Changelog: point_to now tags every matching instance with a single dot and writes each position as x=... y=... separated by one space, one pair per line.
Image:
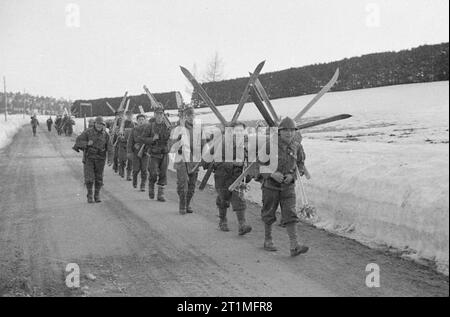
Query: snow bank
x=9 y=128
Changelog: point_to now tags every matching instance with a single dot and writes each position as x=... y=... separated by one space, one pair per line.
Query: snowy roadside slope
x=9 y=128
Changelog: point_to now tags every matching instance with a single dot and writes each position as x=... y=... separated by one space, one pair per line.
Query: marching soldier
x=156 y=137
x=186 y=178
x=129 y=125
x=114 y=135
x=97 y=148
x=34 y=124
x=278 y=188
x=49 y=124
x=138 y=152
x=58 y=124
x=225 y=173
x=69 y=126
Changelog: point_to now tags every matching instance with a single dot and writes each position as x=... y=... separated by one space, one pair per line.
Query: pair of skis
x=259 y=96
x=213 y=107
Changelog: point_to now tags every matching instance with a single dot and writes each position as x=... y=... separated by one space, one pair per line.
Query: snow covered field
x=9 y=128
x=382 y=176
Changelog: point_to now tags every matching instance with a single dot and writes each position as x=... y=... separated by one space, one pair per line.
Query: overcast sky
x=122 y=44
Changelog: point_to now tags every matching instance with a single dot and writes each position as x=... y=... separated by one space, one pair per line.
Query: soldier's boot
x=135 y=179
x=296 y=249
x=151 y=190
x=143 y=180
x=121 y=170
x=189 y=209
x=97 y=193
x=161 y=193
x=89 y=187
x=268 y=242
x=128 y=175
x=223 y=224
x=244 y=228
x=182 y=204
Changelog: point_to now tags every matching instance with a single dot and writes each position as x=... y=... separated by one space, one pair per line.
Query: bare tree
x=214 y=69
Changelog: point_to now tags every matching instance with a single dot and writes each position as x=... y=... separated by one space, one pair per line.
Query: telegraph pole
x=6 y=99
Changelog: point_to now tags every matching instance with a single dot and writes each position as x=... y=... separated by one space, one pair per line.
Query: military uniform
x=58 y=125
x=186 y=181
x=225 y=173
x=290 y=158
x=69 y=126
x=95 y=155
x=49 y=124
x=120 y=160
x=34 y=124
x=159 y=157
x=140 y=164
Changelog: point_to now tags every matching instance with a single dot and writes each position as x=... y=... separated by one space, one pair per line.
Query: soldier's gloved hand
x=137 y=147
x=278 y=177
x=90 y=142
x=110 y=162
x=155 y=137
x=289 y=179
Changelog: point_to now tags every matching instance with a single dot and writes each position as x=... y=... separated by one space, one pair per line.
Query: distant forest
x=422 y=64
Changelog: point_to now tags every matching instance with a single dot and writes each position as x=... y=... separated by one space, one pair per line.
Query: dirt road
x=137 y=247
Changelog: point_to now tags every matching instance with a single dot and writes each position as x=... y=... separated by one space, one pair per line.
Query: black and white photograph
x=224 y=154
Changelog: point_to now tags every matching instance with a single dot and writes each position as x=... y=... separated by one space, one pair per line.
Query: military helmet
x=238 y=124
x=287 y=124
x=159 y=110
x=100 y=120
x=188 y=110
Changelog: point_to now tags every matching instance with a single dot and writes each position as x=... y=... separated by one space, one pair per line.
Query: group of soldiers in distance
x=63 y=124
x=141 y=150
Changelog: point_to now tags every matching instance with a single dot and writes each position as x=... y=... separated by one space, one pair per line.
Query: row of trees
x=422 y=64
x=26 y=103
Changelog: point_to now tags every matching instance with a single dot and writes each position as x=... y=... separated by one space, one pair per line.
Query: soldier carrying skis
x=225 y=173
x=121 y=140
x=186 y=177
x=95 y=143
x=138 y=152
x=278 y=188
x=156 y=136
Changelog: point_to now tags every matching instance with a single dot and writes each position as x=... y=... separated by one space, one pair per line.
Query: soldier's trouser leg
x=153 y=166
x=192 y=181
x=239 y=206
x=162 y=176
x=271 y=200
x=136 y=169
x=116 y=160
x=122 y=165
x=222 y=203
x=289 y=219
x=182 y=184
x=99 y=169
x=34 y=131
x=89 y=178
x=129 y=169
x=162 y=170
x=143 y=168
